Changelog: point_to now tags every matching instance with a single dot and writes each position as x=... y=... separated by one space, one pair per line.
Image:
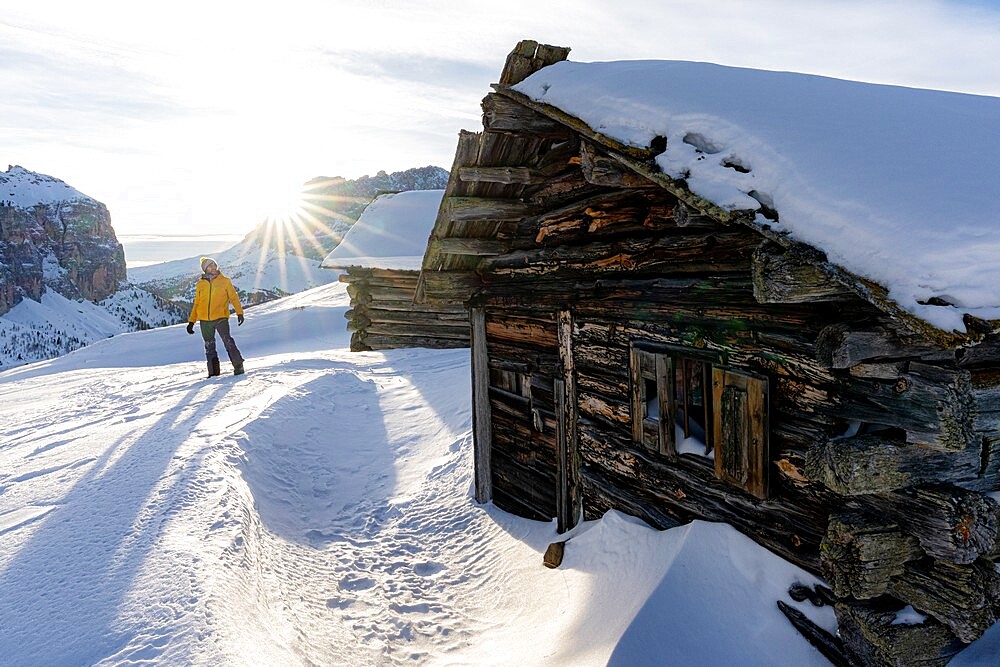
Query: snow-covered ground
x=318 y=511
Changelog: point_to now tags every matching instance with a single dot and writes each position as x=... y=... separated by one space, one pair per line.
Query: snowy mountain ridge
x=25 y=189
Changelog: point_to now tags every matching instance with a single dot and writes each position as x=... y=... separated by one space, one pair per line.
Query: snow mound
x=895 y=184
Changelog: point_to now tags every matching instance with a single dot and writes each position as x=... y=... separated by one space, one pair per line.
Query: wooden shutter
x=740 y=429
x=657 y=370
x=665 y=397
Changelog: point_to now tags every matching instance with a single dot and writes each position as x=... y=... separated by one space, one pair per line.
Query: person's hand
x=190 y=328
x=239 y=320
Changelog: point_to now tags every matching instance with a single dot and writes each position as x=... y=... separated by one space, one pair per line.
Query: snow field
x=318 y=510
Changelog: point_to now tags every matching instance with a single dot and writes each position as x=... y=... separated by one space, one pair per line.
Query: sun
x=277 y=201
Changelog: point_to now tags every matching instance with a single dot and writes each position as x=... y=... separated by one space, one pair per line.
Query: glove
x=190 y=328
x=239 y=320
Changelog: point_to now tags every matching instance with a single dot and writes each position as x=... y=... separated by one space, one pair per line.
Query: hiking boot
x=213 y=368
x=238 y=370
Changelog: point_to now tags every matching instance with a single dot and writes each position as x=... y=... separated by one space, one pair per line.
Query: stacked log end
x=383 y=314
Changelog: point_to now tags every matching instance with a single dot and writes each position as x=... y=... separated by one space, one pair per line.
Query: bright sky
x=202 y=117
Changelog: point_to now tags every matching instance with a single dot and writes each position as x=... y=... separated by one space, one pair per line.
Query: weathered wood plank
x=505 y=175
x=961 y=597
x=601 y=170
x=481 y=423
x=382 y=342
x=869 y=633
x=779 y=276
x=502 y=114
x=468 y=246
x=862 y=552
x=672 y=254
x=462 y=209
x=521 y=330
x=448 y=286
x=568 y=417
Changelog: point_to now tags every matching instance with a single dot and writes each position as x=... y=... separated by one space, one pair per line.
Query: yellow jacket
x=212 y=299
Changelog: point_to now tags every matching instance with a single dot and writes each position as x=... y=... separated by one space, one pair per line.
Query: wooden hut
x=638 y=347
x=381 y=256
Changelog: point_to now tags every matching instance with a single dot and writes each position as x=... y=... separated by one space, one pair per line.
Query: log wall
x=383 y=314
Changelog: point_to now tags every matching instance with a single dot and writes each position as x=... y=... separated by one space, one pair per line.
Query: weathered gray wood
x=664 y=375
x=741 y=430
x=951 y=523
x=780 y=276
x=858 y=465
x=478 y=209
x=425 y=330
x=568 y=417
x=481 y=420
x=506 y=175
x=862 y=552
x=673 y=254
x=601 y=170
x=385 y=342
x=502 y=114
x=868 y=464
x=528 y=57
x=466 y=154
x=448 y=286
x=962 y=597
x=869 y=636
x=840 y=346
x=467 y=246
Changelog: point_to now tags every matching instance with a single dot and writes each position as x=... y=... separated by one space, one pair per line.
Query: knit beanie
x=205 y=261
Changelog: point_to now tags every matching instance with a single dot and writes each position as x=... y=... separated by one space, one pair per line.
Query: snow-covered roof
x=390 y=234
x=896 y=185
x=25 y=188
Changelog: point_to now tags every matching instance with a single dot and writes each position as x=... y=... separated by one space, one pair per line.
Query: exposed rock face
x=51 y=235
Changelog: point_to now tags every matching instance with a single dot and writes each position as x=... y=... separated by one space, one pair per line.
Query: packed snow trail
x=318 y=511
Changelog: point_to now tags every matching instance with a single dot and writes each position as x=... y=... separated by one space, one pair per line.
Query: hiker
x=212 y=297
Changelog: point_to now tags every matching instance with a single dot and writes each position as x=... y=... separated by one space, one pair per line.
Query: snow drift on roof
x=897 y=185
x=391 y=233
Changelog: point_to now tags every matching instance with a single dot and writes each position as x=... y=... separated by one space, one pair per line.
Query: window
x=682 y=404
x=652 y=400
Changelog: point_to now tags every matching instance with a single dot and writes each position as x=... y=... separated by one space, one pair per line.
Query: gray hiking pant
x=208 y=331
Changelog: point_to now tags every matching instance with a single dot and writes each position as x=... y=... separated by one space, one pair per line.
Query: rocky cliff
x=62 y=272
x=53 y=236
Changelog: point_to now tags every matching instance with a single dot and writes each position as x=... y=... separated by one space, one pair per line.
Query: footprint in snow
x=353 y=583
x=428 y=569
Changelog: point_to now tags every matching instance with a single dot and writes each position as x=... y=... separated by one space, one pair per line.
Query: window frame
x=659 y=364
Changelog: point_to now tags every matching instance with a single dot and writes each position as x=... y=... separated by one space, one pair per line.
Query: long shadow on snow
x=62 y=592
x=318 y=462
x=442 y=377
